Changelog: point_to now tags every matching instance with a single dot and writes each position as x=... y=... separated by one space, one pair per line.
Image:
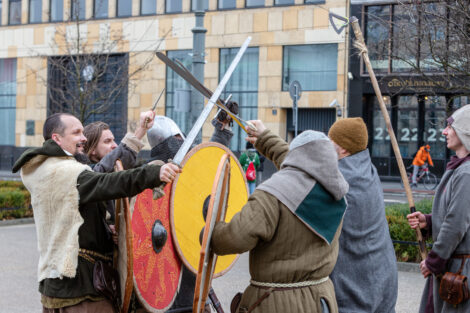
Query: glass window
x=283 y=2
x=314 y=1
x=35 y=11
x=7 y=101
x=0 y=12
x=227 y=4
x=205 y=5
x=15 y=12
x=314 y=66
x=377 y=37
x=78 y=9
x=254 y=3
x=405 y=35
x=178 y=91
x=407 y=125
x=435 y=119
x=102 y=95
x=243 y=85
x=101 y=9
x=458 y=102
x=433 y=36
x=174 y=6
x=148 y=7
x=124 y=8
x=57 y=10
x=381 y=140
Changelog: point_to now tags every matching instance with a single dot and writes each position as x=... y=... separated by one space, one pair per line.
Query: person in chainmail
x=165 y=138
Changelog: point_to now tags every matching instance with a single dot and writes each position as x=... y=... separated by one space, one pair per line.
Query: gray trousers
x=415 y=173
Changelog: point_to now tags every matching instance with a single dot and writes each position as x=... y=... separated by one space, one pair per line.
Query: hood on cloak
x=310 y=184
x=49 y=149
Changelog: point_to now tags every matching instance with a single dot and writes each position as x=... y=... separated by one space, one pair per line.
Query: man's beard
x=82 y=158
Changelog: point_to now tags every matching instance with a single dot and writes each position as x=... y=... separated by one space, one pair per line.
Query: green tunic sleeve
x=94 y=187
x=272 y=147
x=257 y=221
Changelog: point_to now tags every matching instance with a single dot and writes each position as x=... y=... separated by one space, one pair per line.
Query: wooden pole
x=365 y=56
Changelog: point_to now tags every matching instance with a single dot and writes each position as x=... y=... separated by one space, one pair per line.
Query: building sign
x=394 y=84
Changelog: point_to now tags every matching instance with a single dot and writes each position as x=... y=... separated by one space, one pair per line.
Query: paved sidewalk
x=18 y=285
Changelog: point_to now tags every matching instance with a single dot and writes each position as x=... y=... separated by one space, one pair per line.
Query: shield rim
x=208 y=259
x=172 y=205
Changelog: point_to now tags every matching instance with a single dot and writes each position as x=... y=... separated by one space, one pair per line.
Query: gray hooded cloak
x=365 y=275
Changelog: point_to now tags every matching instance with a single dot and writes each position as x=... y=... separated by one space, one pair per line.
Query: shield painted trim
x=157 y=276
x=215 y=212
x=190 y=190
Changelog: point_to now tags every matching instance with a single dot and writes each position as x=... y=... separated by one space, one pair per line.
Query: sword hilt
x=158 y=192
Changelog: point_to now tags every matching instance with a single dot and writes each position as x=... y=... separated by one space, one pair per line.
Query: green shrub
x=12 y=184
x=400 y=230
x=17 y=213
x=15 y=200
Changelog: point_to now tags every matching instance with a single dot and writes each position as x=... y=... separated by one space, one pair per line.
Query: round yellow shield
x=191 y=189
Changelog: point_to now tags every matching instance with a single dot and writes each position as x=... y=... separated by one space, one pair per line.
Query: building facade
x=41 y=41
x=418 y=100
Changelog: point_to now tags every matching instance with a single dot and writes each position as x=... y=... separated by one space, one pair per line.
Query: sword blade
x=210 y=104
x=156 y=102
x=182 y=71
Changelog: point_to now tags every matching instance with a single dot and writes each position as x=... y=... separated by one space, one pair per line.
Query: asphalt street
x=18 y=285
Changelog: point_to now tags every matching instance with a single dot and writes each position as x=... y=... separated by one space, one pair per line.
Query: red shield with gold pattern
x=157 y=267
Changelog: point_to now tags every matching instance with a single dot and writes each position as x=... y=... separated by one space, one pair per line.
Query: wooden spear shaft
x=393 y=139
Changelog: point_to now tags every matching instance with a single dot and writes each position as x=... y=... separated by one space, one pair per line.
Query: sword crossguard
x=158 y=192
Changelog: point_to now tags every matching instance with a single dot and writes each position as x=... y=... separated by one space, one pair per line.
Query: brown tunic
x=282 y=249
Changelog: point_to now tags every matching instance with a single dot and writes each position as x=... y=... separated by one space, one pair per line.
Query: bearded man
x=290 y=225
x=66 y=197
x=365 y=276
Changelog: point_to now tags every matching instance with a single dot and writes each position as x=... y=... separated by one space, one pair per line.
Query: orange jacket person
x=422 y=157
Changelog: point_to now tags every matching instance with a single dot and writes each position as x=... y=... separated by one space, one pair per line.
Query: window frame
x=238 y=133
x=283 y=5
x=392 y=70
x=193 y=1
x=254 y=6
x=94 y=10
x=29 y=12
x=303 y=87
x=147 y=14
x=9 y=12
x=4 y=103
x=314 y=1
x=225 y=9
x=173 y=12
x=72 y=11
x=50 y=12
x=117 y=10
